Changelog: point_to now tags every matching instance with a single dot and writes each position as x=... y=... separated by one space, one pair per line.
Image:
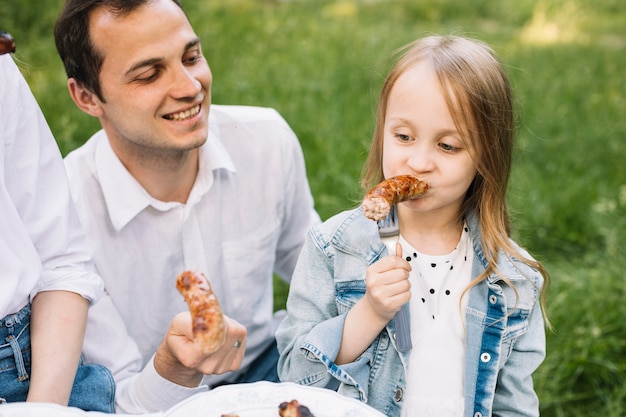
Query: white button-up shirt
x=42 y=245
x=245 y=219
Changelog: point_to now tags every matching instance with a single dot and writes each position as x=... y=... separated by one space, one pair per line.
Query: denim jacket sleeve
x=309 y=337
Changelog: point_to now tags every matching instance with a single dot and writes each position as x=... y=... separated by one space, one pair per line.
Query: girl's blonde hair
x=479 y=96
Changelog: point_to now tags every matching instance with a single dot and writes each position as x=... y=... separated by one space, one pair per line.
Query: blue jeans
x=263 y=368
x=93 y=389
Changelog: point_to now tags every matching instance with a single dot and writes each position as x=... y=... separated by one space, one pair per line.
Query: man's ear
x=86 y=100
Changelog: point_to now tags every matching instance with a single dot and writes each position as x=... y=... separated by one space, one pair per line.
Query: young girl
x=477 y=329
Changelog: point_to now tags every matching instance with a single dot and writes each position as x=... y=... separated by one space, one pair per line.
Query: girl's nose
x=421 y=160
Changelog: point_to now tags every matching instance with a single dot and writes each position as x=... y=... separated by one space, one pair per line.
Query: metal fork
x=389 y=232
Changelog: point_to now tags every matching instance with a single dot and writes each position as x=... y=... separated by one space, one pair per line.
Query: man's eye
x=148 y=76
x=192 y=58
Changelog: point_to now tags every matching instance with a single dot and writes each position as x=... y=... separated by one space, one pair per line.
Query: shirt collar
x=213 y=156
x=123 y=195
x=126 y=198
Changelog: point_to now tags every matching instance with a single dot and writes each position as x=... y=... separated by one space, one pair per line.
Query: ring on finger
x=237 y=344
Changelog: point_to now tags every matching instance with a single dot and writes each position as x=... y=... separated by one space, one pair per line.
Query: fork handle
x=403 y=330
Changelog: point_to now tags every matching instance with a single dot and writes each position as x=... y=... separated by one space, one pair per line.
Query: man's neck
x=166 y=176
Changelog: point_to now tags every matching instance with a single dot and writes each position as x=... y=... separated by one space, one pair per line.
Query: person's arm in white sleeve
x=57 y=253
x=299 y=209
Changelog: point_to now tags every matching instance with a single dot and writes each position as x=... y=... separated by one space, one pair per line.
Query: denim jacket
x=505 y=335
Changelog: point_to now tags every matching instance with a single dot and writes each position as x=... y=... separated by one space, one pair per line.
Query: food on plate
x=379 y=200
x=287 y=409
x=208 y=325
x=293 y=409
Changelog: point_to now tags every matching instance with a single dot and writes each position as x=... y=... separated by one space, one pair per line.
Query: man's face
x=155 y=81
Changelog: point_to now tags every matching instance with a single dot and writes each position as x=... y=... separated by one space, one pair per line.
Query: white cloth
x=245 y=219
x=437 y=361
x=43 y=246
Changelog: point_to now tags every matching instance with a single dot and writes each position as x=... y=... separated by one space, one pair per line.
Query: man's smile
x=184 y=114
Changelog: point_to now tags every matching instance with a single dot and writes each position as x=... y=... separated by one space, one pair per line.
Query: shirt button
x=485 y=357
x=493 y=299
x=398 y=395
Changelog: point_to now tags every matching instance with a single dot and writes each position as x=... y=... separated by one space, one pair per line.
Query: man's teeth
x=184 y=115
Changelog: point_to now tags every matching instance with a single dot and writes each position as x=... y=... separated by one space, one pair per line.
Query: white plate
x=24 y=409
x=261 y=399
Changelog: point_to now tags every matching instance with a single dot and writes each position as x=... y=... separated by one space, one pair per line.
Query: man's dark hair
x=82 y=61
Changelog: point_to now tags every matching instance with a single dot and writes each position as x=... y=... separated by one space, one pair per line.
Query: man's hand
x=180 y=360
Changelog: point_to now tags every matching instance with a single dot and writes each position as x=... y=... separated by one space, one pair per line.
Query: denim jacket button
x=485 y=357
x=478 y=414
x=493 y=299
x=398 y=395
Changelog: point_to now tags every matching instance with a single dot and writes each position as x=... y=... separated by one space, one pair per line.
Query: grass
x=321 y=63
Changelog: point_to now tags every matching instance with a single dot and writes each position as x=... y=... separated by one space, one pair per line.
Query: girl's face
x=420 y=138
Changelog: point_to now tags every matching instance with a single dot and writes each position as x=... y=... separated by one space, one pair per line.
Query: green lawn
x=321 y=63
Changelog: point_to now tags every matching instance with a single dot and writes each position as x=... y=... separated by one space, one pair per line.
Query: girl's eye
x=448 y=148
x=403 y=138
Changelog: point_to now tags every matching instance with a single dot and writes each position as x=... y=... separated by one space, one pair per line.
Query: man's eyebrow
x=192 y=43
x=152 y=61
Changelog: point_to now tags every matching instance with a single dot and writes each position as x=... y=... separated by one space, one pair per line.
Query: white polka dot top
x=436 y=363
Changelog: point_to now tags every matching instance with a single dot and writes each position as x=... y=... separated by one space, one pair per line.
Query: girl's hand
x=387 y=289
x=387 y=285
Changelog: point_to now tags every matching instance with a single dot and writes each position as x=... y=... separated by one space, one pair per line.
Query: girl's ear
x=84 y=99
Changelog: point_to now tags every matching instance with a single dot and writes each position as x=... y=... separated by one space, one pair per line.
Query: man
x=164 y=187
